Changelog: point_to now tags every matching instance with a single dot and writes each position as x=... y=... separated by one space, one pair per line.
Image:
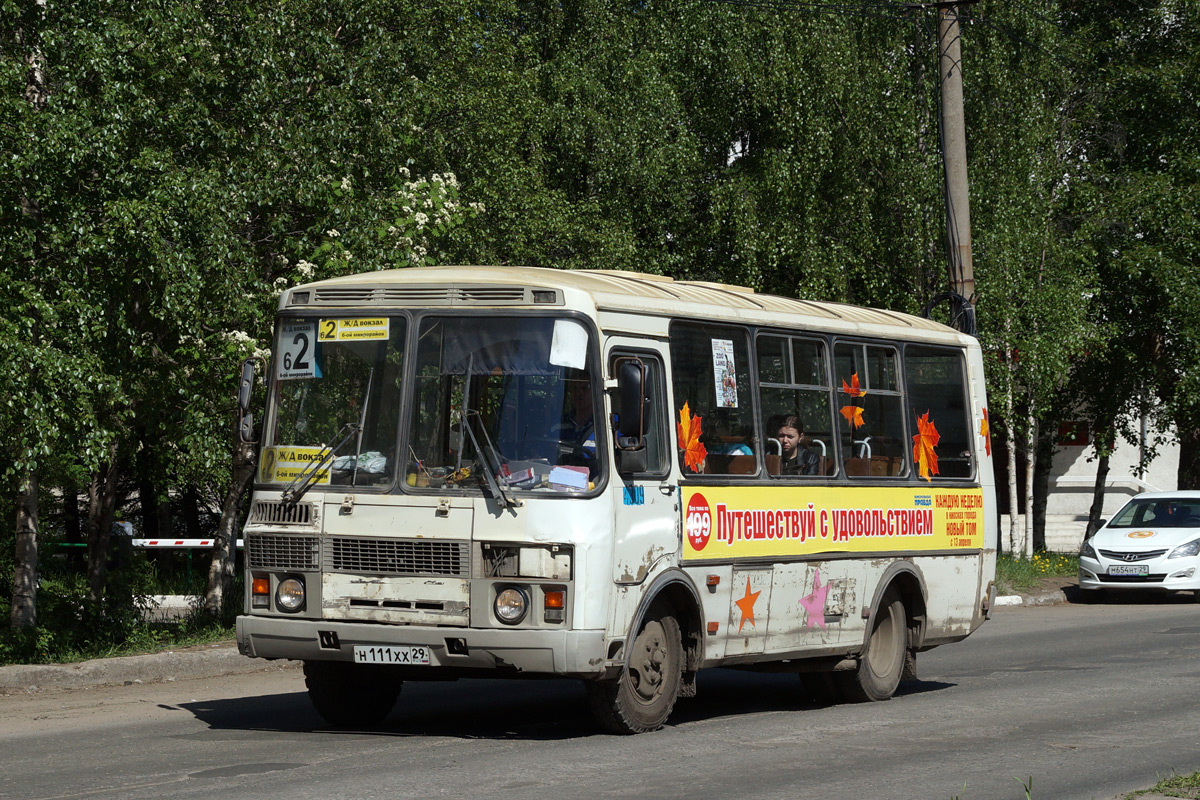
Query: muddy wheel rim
x=648 y=662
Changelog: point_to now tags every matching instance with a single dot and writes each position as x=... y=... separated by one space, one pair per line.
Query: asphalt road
x=1088 y=701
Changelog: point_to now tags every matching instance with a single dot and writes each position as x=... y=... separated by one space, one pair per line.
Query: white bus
x=611 y=476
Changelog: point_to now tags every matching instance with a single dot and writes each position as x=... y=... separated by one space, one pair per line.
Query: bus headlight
x=511 y=605
x=289 y=594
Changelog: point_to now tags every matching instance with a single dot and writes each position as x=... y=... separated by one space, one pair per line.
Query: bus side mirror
x=245 y=425
x=631 y=403
x=631 y=415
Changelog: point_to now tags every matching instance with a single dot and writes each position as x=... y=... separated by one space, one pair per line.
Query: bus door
x=646 y=529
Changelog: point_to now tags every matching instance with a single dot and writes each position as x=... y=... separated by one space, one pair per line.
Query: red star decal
x=746 y=604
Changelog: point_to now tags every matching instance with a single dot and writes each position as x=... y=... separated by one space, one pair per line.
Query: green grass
x=1176 y=786
x=1017 y=574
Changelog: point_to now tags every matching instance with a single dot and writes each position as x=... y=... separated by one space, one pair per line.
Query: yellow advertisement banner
x=778 y=521
x=352 y=329
x=285 y=464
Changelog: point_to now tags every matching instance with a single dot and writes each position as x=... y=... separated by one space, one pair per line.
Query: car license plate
x=377 y=654
x=1129 y=569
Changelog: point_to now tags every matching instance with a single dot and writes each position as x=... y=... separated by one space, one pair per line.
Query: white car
x=1153 y=543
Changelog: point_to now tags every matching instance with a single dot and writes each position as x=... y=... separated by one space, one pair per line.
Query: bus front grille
x=276 y=512
x=400 y=557
x=282 y=552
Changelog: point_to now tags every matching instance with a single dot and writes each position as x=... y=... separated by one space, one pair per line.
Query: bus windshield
x=505 y=402
x=337 y=382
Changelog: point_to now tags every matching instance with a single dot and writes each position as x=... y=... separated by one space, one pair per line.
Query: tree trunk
x=148 y=495
x=1030 y=470
x=189 y=509
x=1189 y=459
x=1041 y=488
x=1097 y=508
x=23 y=613
x=224 y=557
x=1009 y=431
x=102 y=491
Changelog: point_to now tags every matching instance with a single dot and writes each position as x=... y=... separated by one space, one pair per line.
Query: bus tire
x=642 y=698
x=349 y=695
x=881 y=662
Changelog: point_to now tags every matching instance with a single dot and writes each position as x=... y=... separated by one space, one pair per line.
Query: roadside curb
x=204 y=662
x=1043 y=599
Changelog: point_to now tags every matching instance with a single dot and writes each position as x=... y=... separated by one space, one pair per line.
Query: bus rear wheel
x=348 y=695
x=881 y=663
x=643 y=697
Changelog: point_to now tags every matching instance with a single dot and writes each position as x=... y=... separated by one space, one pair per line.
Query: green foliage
x=170 y=167
x=71 y=629
x=1175 y=786
x=1017 y=573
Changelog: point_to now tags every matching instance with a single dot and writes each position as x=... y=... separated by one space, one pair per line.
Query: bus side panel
x=817 y=604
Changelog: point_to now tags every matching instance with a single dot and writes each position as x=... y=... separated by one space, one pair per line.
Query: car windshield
x=1161 y=512
x=504 y=404
x=337 y=389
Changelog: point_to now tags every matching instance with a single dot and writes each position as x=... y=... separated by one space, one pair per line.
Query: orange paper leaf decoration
x=853 y=415
x=694 y=451
x=986 y=432
x=924 y=447
x=853 y=389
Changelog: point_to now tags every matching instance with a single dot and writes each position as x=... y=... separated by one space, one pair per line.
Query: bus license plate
x=377 y=654
x=1129 y=569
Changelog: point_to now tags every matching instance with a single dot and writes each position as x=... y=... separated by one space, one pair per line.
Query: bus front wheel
x=881 y=663
x=642 y=698
x=348 y=695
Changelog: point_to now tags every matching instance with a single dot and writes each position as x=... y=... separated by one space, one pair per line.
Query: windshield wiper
x=362 y=426
x=491 y=460
x=308 y=476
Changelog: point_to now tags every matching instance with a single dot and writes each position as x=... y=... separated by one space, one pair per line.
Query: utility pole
x=954 y=154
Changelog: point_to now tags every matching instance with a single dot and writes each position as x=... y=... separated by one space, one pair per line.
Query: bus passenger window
x=711 y=369
x=871 y=423
x=795 y=397
x=937 y=393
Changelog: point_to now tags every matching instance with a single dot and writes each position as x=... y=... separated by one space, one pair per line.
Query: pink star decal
x=814 y=603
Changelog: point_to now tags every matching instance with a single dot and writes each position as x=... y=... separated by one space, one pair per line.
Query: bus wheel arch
x=661 y=656
x=895 y=631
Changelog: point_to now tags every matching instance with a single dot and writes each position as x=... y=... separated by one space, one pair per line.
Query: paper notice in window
x=724 y=373
x=568 y=348
x=570 y=477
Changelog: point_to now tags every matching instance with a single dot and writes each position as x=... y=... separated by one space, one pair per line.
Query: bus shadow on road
x=730 y=692
x=468 y=709
x=534 y=710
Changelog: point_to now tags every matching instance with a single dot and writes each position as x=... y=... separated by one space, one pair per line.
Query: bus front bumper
x=564 y=653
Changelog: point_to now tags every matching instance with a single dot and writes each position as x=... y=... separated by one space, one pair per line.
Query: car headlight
x=511 y=605
x=1189 y=549
x=1087 y=551
x=289 y=595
